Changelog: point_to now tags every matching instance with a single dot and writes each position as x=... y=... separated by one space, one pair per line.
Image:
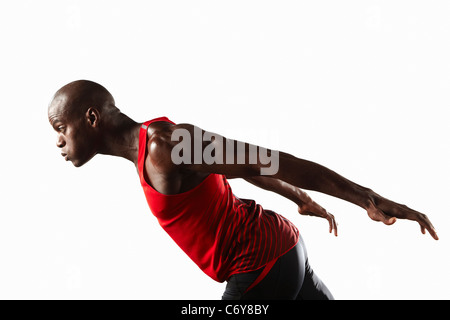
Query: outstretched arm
x=306 y=206
x=186 y=147
x=312 y=176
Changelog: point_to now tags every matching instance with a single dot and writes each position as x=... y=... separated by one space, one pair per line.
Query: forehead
x=57 y=108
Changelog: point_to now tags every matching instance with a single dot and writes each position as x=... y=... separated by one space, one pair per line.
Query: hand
x=387 y=211
x=310 y=208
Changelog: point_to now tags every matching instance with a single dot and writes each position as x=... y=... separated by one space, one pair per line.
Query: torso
x=221 y=233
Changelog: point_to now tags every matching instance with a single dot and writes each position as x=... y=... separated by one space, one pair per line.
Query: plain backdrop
x=361 y=87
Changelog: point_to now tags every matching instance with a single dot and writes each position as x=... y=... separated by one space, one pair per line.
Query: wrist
x=301 y=198
x=367 y=198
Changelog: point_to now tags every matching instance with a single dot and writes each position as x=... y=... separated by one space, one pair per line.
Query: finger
x=430 y=230
x=390 y=221
x=426 y=225
x=335 y=229
x=387 y=220
x=434 y=235
x=378 y=215
x=332 y=223
x=305 y=211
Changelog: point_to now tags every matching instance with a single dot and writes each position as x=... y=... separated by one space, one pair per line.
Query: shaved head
x=87 y=122
x=75 y=98
x=79 y=113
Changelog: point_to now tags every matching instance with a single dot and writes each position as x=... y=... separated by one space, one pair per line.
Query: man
x=184 y=170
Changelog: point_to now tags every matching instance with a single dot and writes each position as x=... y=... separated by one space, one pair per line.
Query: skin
x=87 y=123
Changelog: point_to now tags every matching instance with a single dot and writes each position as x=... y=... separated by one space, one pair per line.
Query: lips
x=65 y=156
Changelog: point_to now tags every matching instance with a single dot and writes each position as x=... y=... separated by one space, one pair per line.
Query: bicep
x=196 y=149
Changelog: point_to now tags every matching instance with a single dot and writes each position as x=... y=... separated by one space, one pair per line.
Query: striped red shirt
x=221 y=233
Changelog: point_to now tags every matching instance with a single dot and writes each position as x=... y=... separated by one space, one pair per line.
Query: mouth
x=66 y=157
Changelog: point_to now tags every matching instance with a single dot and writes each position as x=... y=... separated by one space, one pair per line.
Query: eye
x=61 y=129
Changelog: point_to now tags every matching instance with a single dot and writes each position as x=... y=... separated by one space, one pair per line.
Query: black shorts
x=290 y=278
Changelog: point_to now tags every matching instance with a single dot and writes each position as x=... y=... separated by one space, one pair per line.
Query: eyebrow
x=54 y=121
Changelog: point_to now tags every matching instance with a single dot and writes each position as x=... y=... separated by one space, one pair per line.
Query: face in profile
x=75 y=137
x=74 y=114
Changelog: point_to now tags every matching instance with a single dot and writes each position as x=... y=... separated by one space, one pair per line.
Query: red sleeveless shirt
x=221 y=233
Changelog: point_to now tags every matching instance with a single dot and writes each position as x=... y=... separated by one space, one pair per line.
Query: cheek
x=79 y=146
x=74 y=145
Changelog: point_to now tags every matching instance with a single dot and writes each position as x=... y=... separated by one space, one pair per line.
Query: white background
x=361 y=87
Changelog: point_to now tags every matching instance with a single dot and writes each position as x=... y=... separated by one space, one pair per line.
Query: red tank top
x=221 y=233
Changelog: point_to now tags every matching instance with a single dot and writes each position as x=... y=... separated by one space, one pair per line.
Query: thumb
x=378 y=215
x=390 y=220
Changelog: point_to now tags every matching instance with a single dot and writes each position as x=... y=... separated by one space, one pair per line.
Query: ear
x=92 y=116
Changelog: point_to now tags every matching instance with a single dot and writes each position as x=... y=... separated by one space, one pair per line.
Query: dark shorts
x=290 y=278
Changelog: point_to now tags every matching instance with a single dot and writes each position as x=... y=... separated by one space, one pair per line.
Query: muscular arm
x=282 y=188
x=312 y=176
x=187 y=147
x=306 y=206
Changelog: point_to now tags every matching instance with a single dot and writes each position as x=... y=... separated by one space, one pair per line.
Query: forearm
x=312 y=176
x=280 y=187
x=306 y=206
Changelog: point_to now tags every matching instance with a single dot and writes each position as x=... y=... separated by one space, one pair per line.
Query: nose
x=60 y=142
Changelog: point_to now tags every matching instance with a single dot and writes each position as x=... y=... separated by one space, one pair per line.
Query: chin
x=76 y=163
x=79 y=163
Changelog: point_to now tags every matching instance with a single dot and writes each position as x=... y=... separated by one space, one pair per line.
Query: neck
x=121 y=138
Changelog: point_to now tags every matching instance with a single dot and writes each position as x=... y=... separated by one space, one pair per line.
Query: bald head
x=79 y=112
x=75 y=98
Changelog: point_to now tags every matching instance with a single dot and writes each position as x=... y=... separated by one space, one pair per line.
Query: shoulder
x=164 y=135
x=162 y=138
x=159 y=144
x=164 y=173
